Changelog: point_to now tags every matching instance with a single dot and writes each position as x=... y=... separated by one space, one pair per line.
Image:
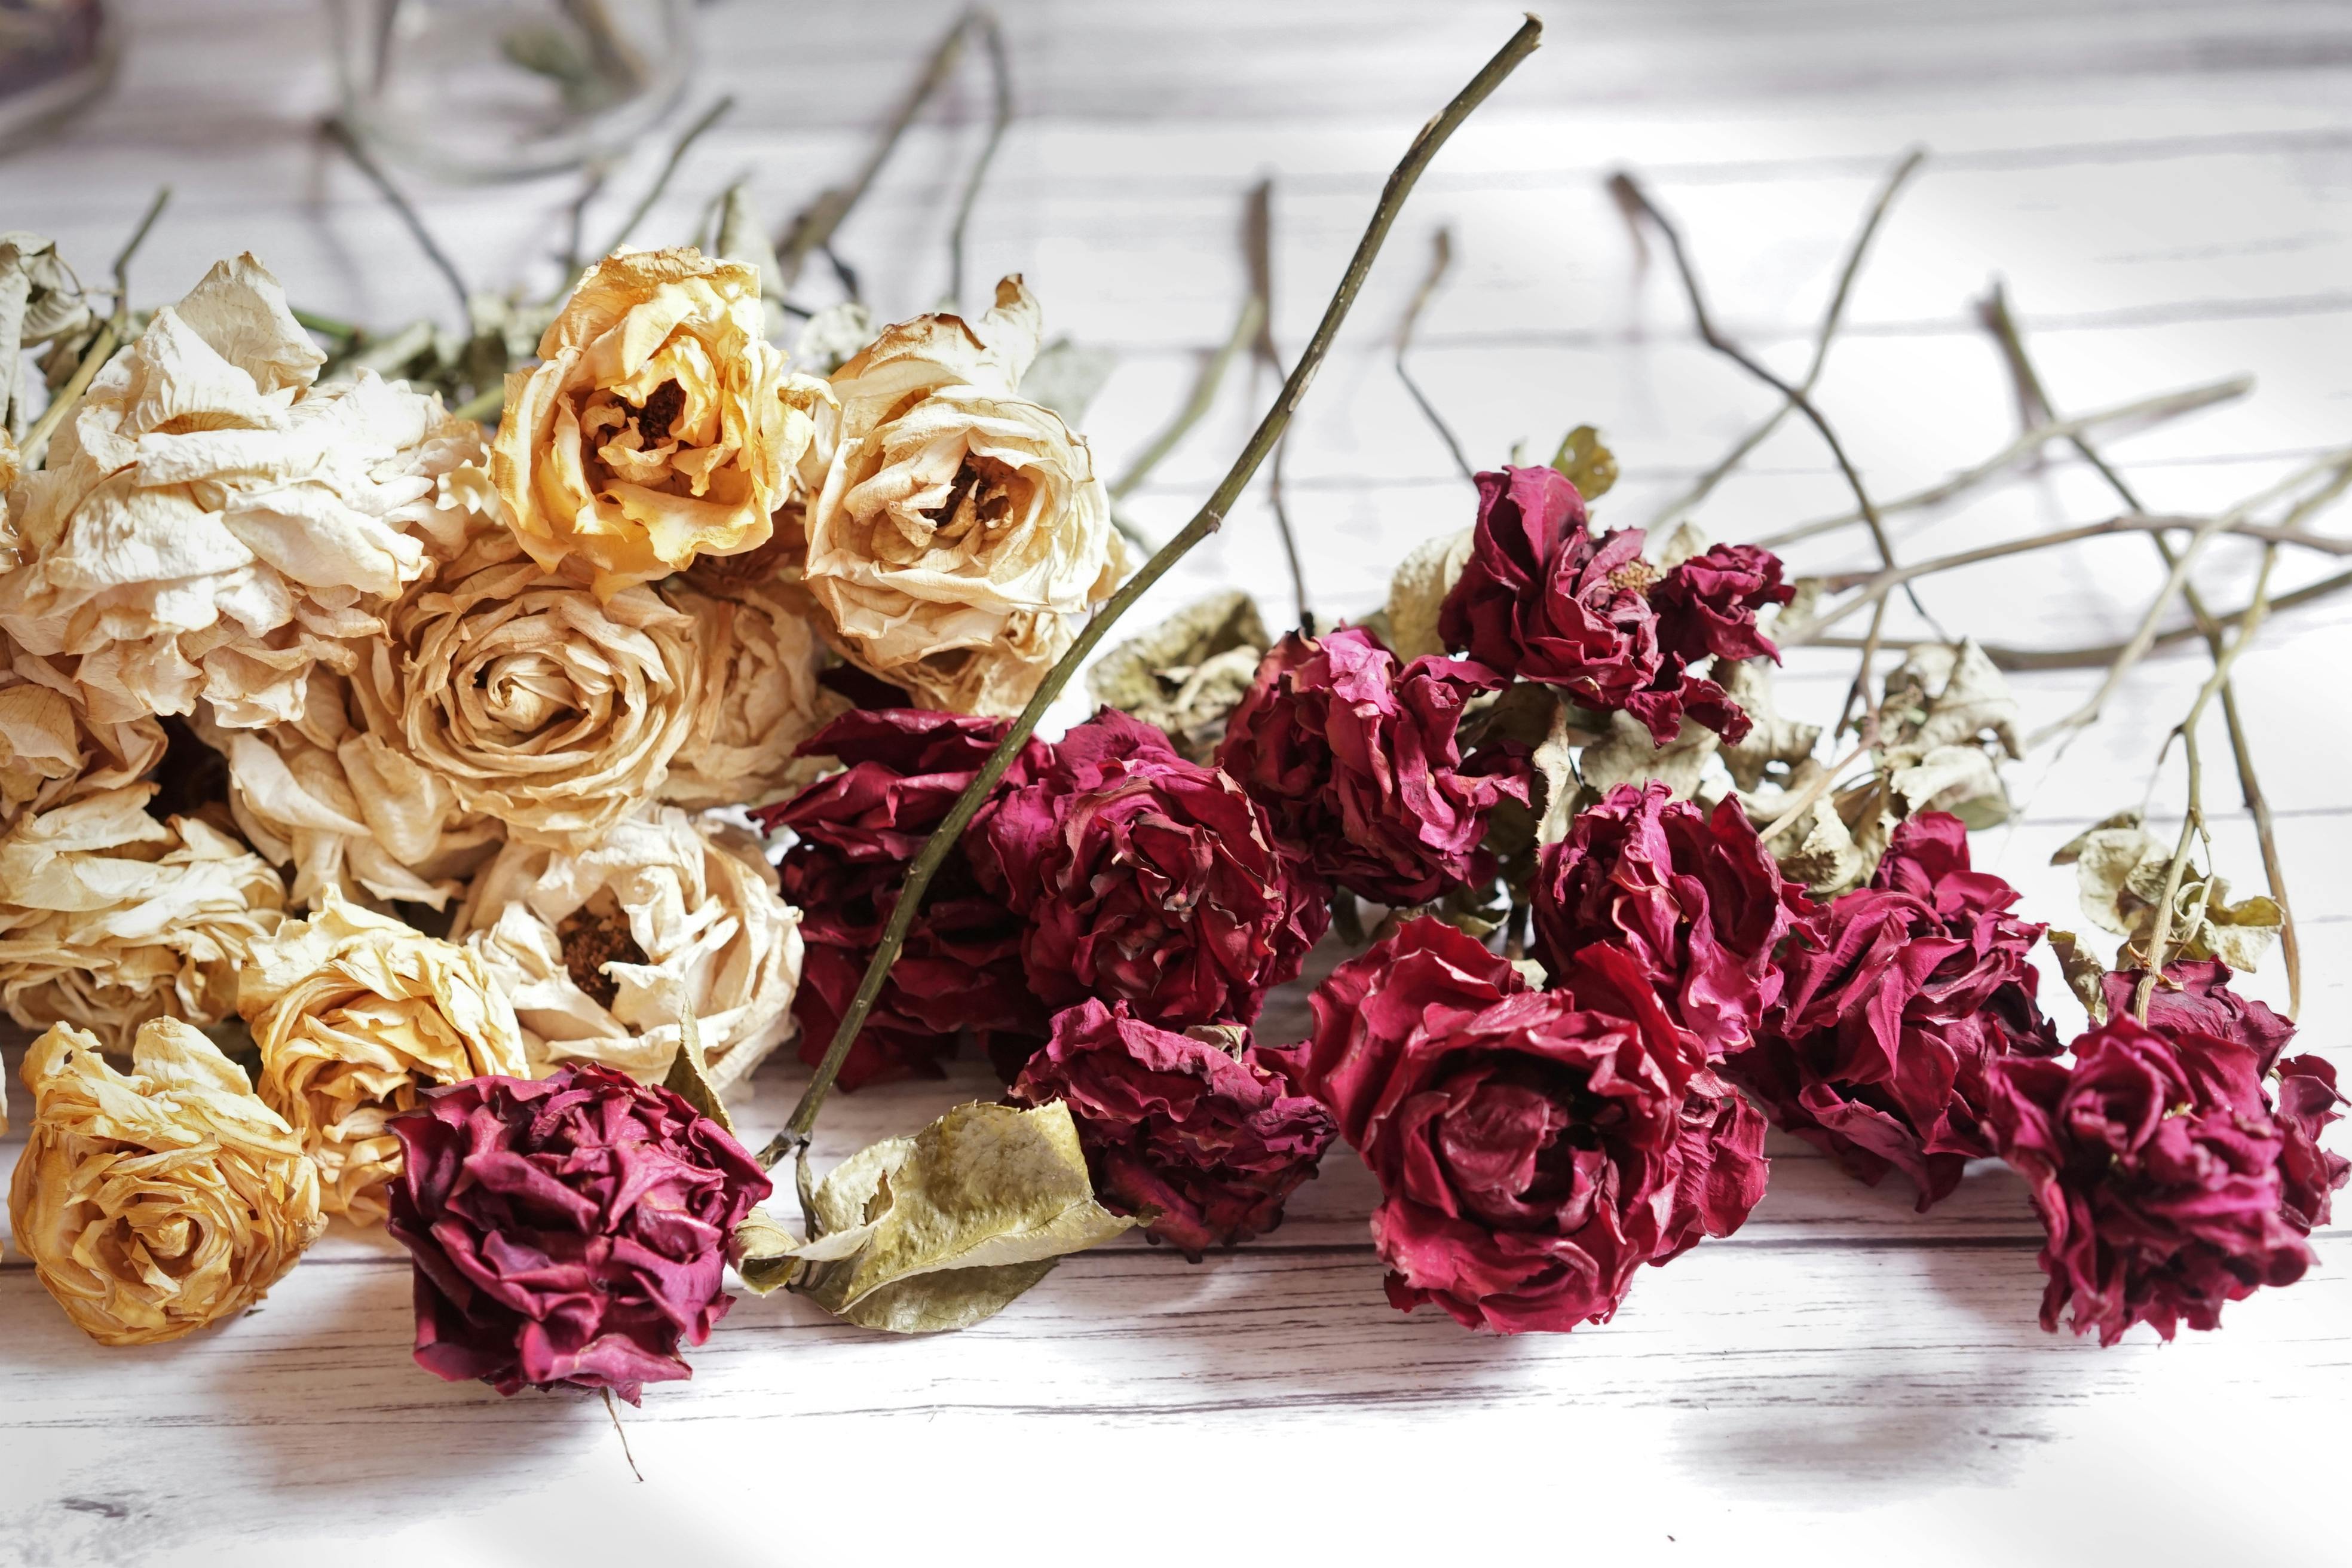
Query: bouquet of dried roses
x=443 y=824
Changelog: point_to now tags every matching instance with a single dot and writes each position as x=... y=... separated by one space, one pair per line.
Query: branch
x=984 y=22
x=1441 y=259
x=710 y=117
x=344 y=136
x=794 y=1138
x=1257 y=253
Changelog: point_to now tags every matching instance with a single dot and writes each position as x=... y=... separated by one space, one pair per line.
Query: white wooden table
x=2168 y=189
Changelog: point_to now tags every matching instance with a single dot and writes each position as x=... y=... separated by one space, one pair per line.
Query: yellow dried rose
x=604 y=952
x=354 y=1013
x=660 y=425
x=110 y=918
x=210 y=523
x=156 y=1201
x=50 y=751
x=536 y=703
x=760 y=662
x=952 y=527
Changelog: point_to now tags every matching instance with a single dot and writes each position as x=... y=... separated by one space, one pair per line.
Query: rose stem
x=2192 y=821
x=794 y=1138
x=116 y=328
x=619 y=1431
x=679 y=149
x=1196 y=407
x=983 y=21
x=345 y=137
x=1440 y=257
x=2152 y=410
x=812 y=229
x=131 y=248
x=1258 y=254
x=1830 y=321
x=2033 y=400
x=575 y=235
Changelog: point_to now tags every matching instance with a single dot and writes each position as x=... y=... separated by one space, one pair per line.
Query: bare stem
x=991 y=36
x=349 y=140
x=1440 y=257
x=794 y=1138
x=1197 y=404
x=684 y=143
x=1812 y=793
x=131 y=248
x=36 y=444
x=1830 y=321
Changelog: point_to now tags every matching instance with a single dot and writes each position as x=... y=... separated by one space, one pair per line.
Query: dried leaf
x=1627 y=755
x=1555 y=766
x=1187 y=674
x=1957 y=779
x=1947 y=722
x=1419 y=588
x=689 y=1074
x=2086 y=976
x=831 y=337
x=2237 y=934
x=1771 y=739
x=1066 y=378
x=1688 y=539
x=2069 y=851
x=1588 y=464
x=2120 y=869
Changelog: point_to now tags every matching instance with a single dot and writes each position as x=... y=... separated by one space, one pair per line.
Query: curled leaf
x=1947 y=722
x=1771 y=742
x=689 y=1072
x=1627 y=755
x=1418 y=590
x=2086 y=976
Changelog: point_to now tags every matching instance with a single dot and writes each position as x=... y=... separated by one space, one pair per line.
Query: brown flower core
x=983 y=483
x=590 y=940
x=1636 y=576
x=662 y=407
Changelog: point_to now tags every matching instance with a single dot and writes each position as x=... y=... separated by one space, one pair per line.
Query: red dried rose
x=2308 y=1102
x=1532 y=1150
x=1213 y=1140
x=1358 y=761
x=857 y=831
x=1697 y=901
x=1147 y=880
x=569 y=1230
x=1708 y=604
x=2158 y=1170
x=2195 y=995
x=1877 y=1054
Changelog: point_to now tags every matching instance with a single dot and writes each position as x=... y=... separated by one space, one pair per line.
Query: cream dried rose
x=354 y=1013
x=760 y=662
x=603 y=950
x=344 y=809
x=660 y=425
x=210 y=523
x=537 y=705
x=50 y=751
x=156 y=1201
x=109 y=918
x=951 y=526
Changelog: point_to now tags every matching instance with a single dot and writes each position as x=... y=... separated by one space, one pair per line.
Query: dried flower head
x=51 y=751
x=760 y=657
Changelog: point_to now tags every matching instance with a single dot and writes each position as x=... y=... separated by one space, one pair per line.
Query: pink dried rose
x=1358 y=761
x=2195 y=995
x=1877 y=1054
x=1211 y=1139
x=1532 y=1150
x=1708 y=604
x=857 y=831
x=2160 y=1173
x=571 y=1230
x=2307 y=1106
x=1147 y=880
x=1696 y=900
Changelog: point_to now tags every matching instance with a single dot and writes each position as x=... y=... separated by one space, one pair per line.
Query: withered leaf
x=1066 y=377
x=1627 y=755
x=1585 y=463
x=1770 y=738
x=1187 y=674
x=689 y=1071
x=2084 y=973
x=1418 y=590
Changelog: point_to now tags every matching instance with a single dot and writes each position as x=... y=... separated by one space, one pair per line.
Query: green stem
x=794 y=1138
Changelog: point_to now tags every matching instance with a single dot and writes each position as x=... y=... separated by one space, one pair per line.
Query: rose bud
x=1148 y=880
x=2160 y=1173
x=1697 y=901
x=1210 y=1138
x=1358 y=761
x=1877 y=1054
x=857 y=831
x=569 y=1230
x=1532 y=1150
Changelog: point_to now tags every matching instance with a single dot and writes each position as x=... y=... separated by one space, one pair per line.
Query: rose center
x=1636 y=576
x=980 y=499
x=662 y=407
x=591 y=939
x=523 y=691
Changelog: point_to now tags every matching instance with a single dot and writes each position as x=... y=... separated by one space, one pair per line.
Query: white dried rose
x=345 y=810
x=155 y=1202
x=952 y=526
x=50 y=751
x=109 y=918
x=660 y=425
x=760 y=662
x=210 y=523
x=535 y=702
x=355 y=1013
x=603 y=952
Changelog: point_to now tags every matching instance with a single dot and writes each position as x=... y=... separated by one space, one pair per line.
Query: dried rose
x=109 y=918
x=1706 y=605
x=157 y=1201
x=953 y=527
x=355 y=1013
x=659 y=425
x=534 y=701
x=212 y=524
x=606 y=951
x=1698 y=900
x=572 y=1230
x=2308 y=1102
x=1877 y=1052
x=2158 y=1170
x=1532 y=1150
x=1147 y=880
x=2195 y=995
x=51 y=751
x=857 y=832
x=1209 y=1140
x=1358 y=761
x=761 y=659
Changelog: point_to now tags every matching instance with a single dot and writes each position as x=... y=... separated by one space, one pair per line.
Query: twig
x=1440 y=257
x=2168 y=406
x=1197 y=404
x=340 y=130
x=1830 y=321
x=1258 y=254
x=131 y=248
x=613 y=1411
x=710 y=117
x=1812 y=791
x=984 y=22
x=576 y=225
x=794 y=1138
x=36 y=444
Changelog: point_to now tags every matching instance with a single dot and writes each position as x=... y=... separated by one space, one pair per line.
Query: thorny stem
x=349 y=140
x=984 y=22
x=1830 y=321
x=1441 y=259
x=684 y=143
x=794 y=1138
